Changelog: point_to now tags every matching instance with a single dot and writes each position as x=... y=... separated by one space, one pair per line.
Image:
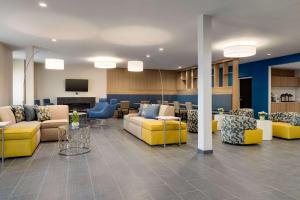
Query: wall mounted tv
x=77 y=85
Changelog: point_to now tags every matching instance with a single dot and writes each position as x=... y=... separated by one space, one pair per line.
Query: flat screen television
x=77 y=85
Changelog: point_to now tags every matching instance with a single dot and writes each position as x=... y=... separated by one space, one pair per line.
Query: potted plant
x=221 y=111
x=75 y=119
x=262 y=115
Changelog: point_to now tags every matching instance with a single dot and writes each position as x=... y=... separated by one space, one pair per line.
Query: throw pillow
x=140 y=110
x=43 y=113
x=295 y=121
x=152 y=111
x=30 y=113
x=19 y=113
x=145 y=106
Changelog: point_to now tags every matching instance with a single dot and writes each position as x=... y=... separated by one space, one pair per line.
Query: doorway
x=246 y=93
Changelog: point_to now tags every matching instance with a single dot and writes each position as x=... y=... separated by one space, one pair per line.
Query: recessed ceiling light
x=43 y=4
x=53 y=40
x=269 y=54
x=148 y=55
x=179 y=67
x=161 y=49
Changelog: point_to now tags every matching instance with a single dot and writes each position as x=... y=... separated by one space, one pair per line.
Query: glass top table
x=74 y=141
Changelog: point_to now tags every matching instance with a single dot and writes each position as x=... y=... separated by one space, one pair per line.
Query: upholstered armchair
x=105 y=113
x=247 y=112
x=192 y=122
x=240 y=130
x=98 y=106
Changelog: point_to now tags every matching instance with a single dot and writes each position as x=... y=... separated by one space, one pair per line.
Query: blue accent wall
x=258 y=70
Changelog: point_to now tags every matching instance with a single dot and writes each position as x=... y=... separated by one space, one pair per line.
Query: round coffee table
x=74 y=141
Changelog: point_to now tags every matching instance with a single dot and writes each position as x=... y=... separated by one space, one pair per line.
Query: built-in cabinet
x=285 y=81
x=285 y=107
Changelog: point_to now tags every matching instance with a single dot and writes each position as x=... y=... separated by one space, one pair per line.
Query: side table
x=169 y=118
x=266 y=126
x=2 y=126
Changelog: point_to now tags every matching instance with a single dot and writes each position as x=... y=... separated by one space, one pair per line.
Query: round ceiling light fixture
x=53 y=63
x=105 y=64
x=135 y=66
x=239 y=51
x=43 y=4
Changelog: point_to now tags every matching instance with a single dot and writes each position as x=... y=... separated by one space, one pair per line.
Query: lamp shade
x=135 y=66
x=53 y=63
x=105 y=64
x=239 y=51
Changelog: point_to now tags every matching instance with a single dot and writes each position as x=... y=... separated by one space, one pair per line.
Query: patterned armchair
x=240 y=130
x=192 y=122
x=247 y=112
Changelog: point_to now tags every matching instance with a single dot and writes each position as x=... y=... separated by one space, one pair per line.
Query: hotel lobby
x=149 y=100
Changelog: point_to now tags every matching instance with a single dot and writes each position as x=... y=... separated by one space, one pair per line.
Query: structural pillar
x=6 y=77
x=29 y=76
x=204 y=85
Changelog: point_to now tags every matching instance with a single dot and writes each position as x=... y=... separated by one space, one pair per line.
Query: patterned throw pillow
x=43 y=113
x=19 y=113
x=295 y=121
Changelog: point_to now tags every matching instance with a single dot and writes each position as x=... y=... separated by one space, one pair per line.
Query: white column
x=5 y=75
x=29 y=76
x=204 y=85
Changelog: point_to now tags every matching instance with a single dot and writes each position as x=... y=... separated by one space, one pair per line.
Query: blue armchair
x=47 y=102
x=102 y=99
x=113 y=101
x=105 y=113
x=98 y=107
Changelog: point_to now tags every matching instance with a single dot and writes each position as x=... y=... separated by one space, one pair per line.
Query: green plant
x=75 y=117
x=262 y=114
x=220 y=109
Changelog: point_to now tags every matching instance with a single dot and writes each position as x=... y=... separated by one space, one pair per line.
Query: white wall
x=18 y=81
x=6 y=79
x=51 y=83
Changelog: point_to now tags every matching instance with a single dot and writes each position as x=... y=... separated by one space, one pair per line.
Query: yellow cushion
x=285 y=130
x=157 y=137
x=12 y=133
x=214 y=125
x=253 y=136
x=158 y=125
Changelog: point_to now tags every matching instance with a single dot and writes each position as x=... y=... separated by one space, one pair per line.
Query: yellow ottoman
x=19 y=141
x=153 y=132
x=214 y=125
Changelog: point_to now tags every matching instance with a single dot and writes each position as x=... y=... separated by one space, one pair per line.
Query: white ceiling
x=130 y=29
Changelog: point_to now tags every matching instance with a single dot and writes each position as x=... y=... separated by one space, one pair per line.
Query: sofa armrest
x=132 y=114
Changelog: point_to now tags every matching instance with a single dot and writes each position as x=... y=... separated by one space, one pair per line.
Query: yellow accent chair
x=286 y=125
x=240 y=130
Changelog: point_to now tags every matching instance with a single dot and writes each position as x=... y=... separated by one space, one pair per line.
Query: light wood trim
x=226 y=60
x=222 y=90
x=225 y=74
x=235 y=85
x=216 y=75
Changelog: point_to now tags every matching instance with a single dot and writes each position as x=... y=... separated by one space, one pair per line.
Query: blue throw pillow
x=140 y=110
x=152 y=111
x=30 y=114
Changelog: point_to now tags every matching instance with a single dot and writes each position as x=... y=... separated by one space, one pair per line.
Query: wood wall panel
x=235 y=85
x=120 y=81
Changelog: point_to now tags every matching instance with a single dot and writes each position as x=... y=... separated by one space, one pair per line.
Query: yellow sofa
x=22 y=138
x=151 y=131
x=285 y=130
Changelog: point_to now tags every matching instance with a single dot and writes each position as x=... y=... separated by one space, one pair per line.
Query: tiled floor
x=122 y=167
